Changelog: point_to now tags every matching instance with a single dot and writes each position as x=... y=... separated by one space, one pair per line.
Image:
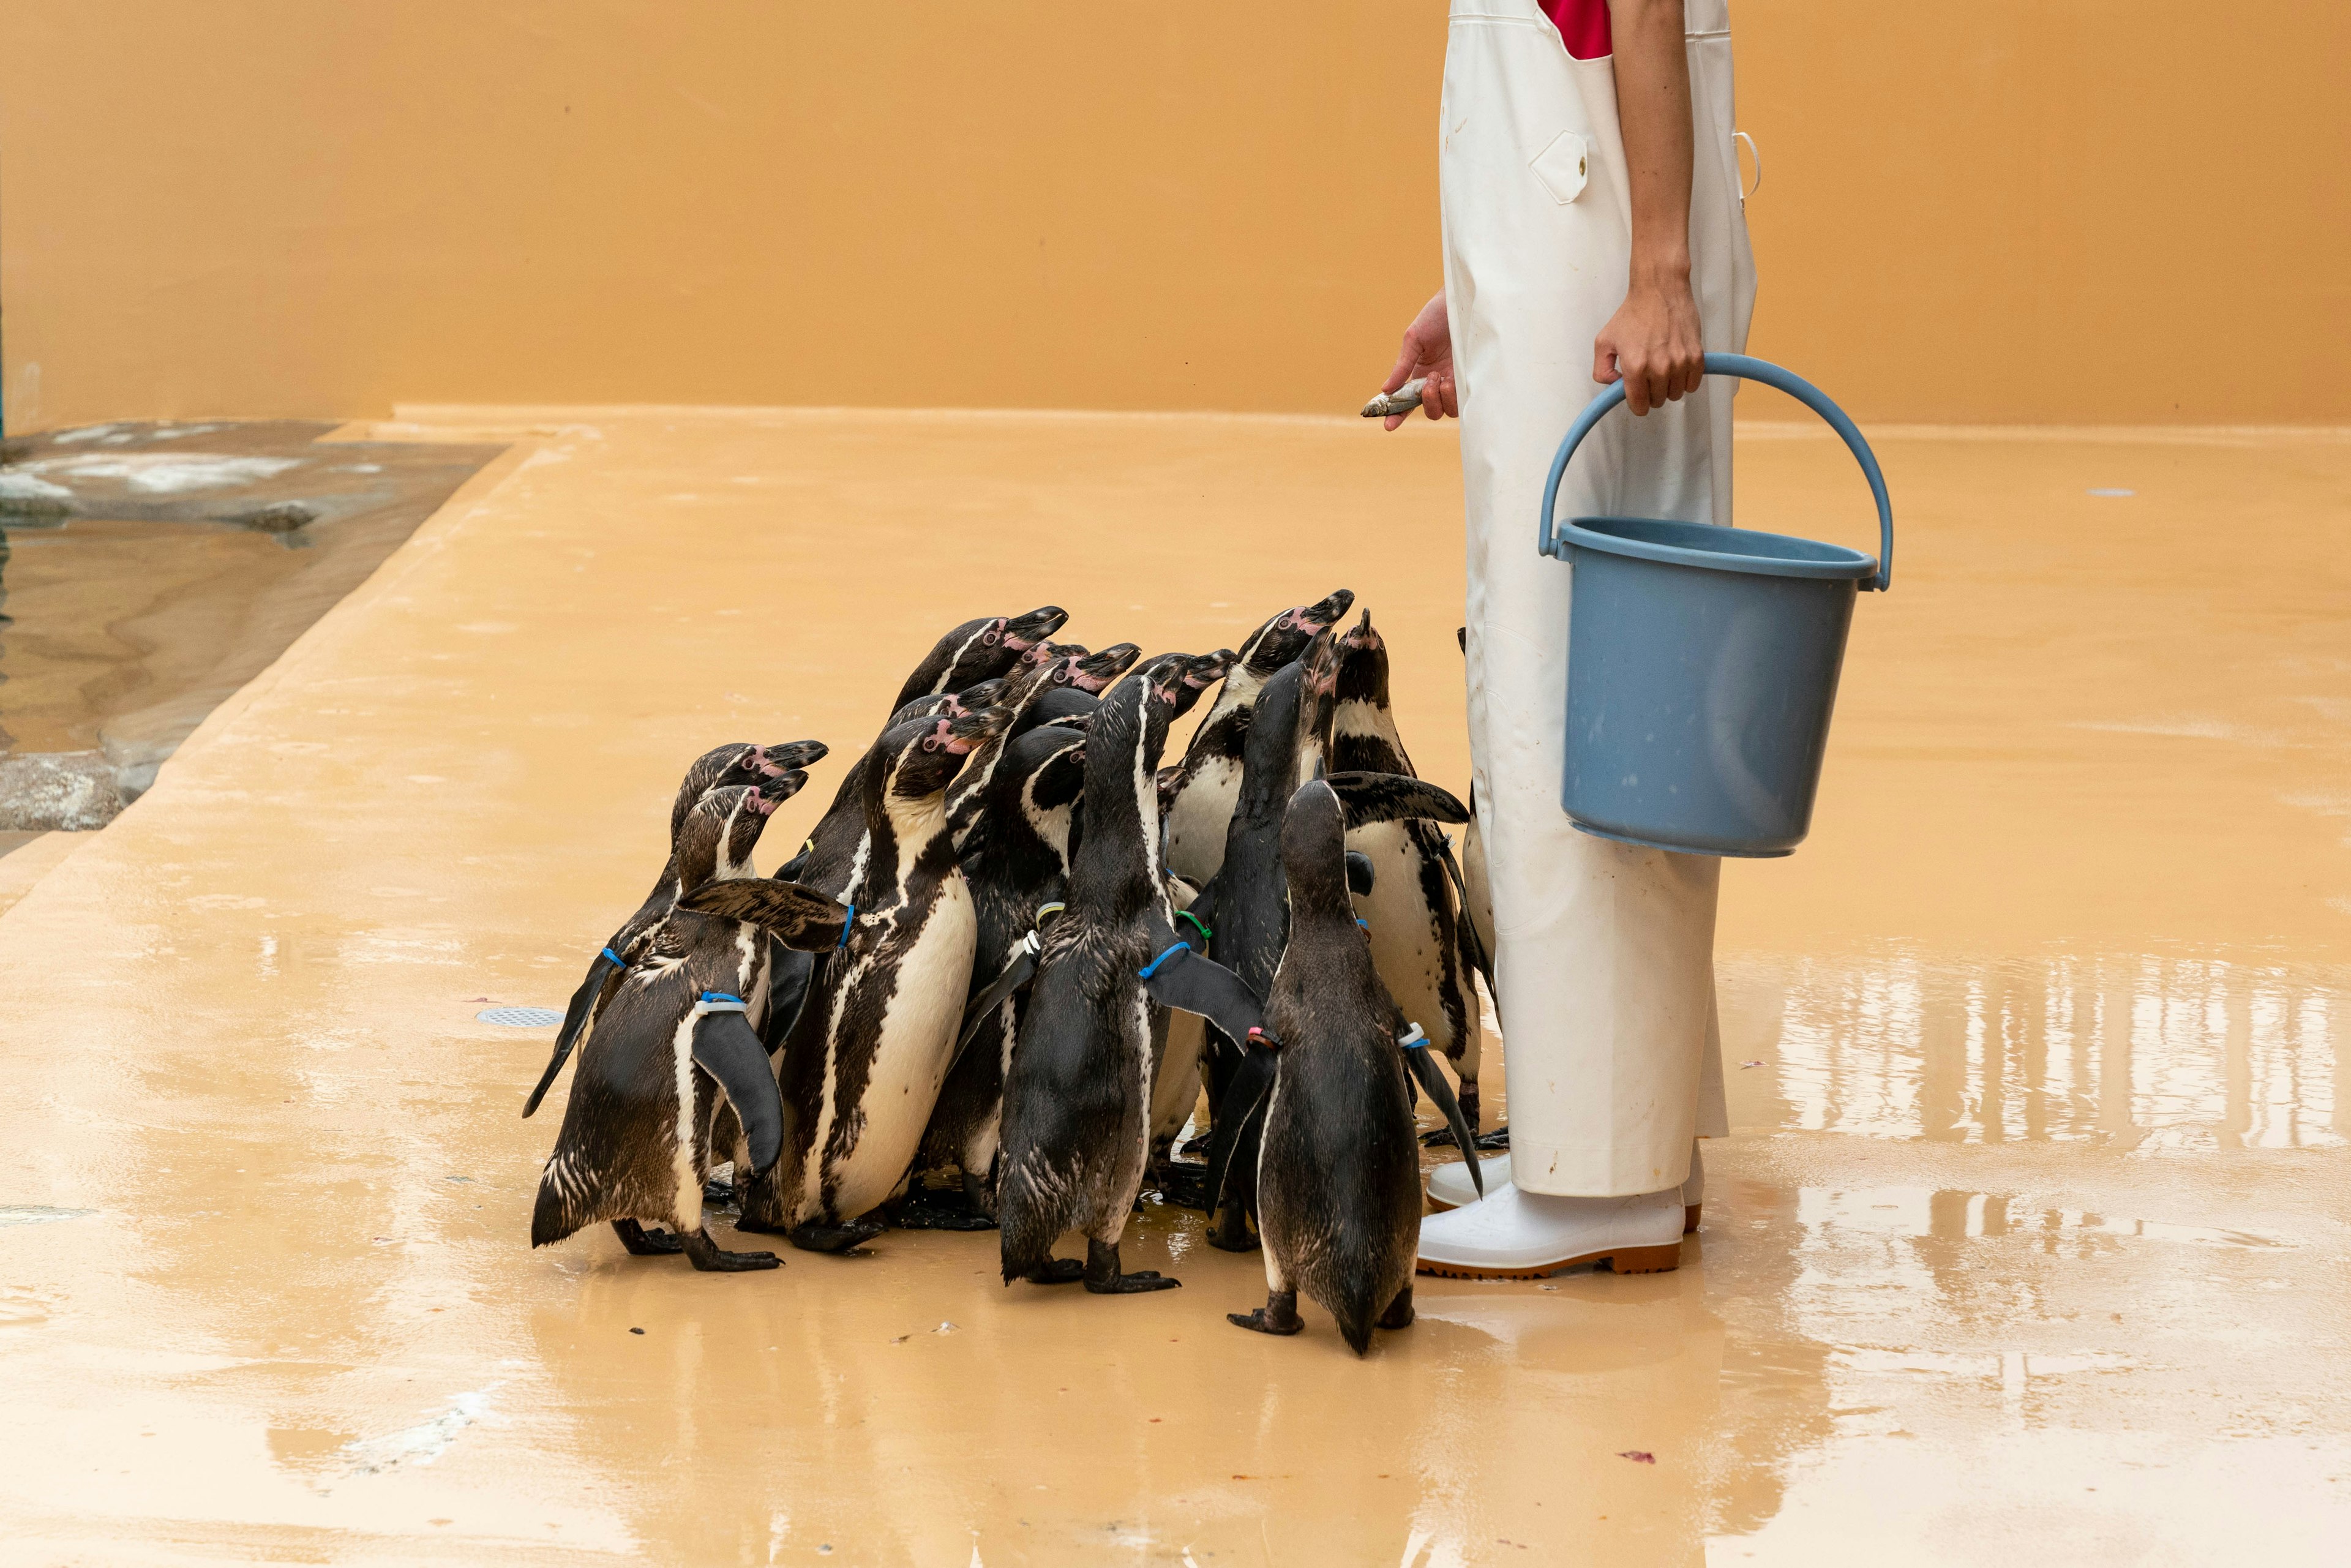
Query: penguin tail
x=1026 y=1225
x=1356 y=1313
x=556 y=1216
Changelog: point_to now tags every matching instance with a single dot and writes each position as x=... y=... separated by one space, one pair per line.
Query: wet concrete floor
x=2030 y=1245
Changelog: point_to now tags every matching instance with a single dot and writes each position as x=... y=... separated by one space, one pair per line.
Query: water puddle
x=34 y=1214
x=147 y=571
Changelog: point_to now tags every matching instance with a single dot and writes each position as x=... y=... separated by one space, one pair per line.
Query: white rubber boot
x=1693 y=1191
x=1449 y=1187
x=1516 y=1235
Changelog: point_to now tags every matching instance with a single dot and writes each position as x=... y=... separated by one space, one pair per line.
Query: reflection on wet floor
x=2134 y=1050
x=2029 y=1247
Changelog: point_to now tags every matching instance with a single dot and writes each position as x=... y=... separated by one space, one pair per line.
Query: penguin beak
x=1094 y=673
x=1025 y=631
x=779 y=759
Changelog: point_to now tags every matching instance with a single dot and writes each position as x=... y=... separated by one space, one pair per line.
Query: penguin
x=1245 y=907
x=862 y=1063
x=1016 y=860
x=978 y=649
x=725 y=766
x=1470 y=882
x=1199 y=799
x=674 y=1042
x=1338 y=1177
x=1412 y=914
x=1075 y=1129
x=1014 y=845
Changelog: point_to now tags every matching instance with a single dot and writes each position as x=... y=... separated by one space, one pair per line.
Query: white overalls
x=1604 y=952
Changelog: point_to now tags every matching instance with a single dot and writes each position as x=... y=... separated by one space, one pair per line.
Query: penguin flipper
x=796 y=916
x=1011 y=979
x=1369 y=798
x=1239 y=1112
x=586 y=1002
x=1417 y=1057
x=1181 y=977
x=727 y=1047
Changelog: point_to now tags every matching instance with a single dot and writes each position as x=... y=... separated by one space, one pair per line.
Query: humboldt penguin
x=1470 y=882
x=862 y=1063
x=1077 y=1097
x=1246 y=907
x=1016 y=860
x=722 y=767
x=977 y=650
x=675 y=1041
x=1413 y=916
x=1338 y=1178
x=1199 y=798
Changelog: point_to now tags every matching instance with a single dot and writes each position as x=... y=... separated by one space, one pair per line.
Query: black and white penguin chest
x=1410 y=912
x=874 y=1046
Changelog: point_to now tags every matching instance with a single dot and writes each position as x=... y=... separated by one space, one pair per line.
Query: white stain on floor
x=424 y=1443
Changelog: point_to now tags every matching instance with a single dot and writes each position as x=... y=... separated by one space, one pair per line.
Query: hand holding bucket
x=1702 y=660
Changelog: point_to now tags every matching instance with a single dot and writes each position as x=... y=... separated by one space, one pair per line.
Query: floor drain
x=520 y=1018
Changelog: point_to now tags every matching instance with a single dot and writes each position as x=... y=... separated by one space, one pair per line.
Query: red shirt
x=1583 y=24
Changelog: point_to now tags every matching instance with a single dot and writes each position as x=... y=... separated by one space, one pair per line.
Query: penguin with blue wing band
x=674 y=1045
x=774 y=768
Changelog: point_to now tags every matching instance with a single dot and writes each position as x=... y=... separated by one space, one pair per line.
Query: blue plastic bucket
x=1702 y=661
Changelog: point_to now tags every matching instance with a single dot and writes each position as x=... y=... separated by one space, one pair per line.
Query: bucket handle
x=1753 y=370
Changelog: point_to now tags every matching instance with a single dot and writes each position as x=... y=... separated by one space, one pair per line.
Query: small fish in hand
x=1404 y=400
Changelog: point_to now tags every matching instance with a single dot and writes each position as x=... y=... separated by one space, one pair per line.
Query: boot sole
x=1689 y=1214
x=1662 y=1260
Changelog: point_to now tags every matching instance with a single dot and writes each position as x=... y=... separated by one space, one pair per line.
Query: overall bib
x=1604 y=952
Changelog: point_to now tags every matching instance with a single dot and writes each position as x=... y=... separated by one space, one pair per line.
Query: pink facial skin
x=1073 y=675
x=760 y=761
x=995 y=634
x=762 y=805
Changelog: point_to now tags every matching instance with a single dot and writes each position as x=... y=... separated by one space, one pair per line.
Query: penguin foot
x=1104 y=1277
x=1278 y=1316
x=1488 y=1143
x=708 y=1256
x=1184 y=1182
x=1056 y=1271
x=718 y=1194
x=1399 y=1314
x=643 y=1243
x=1230 y=1230
x=1198 y=1147
x=814 y=1237
x=927 y=1208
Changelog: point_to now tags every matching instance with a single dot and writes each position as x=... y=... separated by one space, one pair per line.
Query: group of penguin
x=988 y=988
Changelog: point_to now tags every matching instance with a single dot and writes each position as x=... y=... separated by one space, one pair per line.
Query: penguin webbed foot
x=814 y=1237
x=1230 y=1232
x=1399 y=1314
x=1496 y=1141
x=643 y=1243
x=718 y=1194
x=932 y=1208
x=710 y=1257
x=1056 y=1271
x=1184 y=1182
x=1104 y=1277
x=1278 y=1316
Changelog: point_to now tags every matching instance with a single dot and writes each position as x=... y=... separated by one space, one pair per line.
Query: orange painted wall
x=2080 y=211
